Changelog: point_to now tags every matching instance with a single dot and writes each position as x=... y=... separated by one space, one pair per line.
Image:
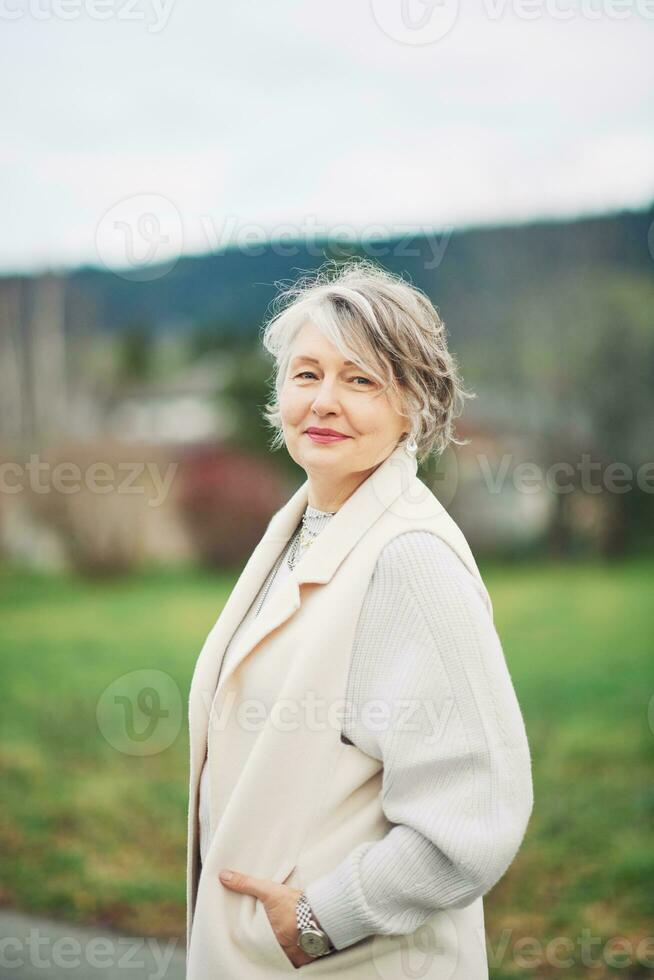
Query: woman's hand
x=279 y=902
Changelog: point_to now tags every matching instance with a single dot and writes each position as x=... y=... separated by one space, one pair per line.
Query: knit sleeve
x=456 y=782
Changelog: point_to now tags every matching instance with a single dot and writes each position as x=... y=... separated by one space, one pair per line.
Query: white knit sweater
x=456 y=764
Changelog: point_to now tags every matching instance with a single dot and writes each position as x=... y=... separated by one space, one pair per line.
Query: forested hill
x=475 y=276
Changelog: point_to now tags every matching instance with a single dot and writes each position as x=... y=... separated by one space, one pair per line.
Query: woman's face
x=321 y=390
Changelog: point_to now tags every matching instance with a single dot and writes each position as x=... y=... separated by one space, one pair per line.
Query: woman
x=360 y=773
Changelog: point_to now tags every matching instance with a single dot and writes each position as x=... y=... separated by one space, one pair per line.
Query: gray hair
x=389 y=328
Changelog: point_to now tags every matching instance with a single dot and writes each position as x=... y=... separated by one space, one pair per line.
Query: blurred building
x=45 y=327
x=184 y=408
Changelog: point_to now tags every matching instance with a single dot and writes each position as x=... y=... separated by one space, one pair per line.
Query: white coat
x=288 y=799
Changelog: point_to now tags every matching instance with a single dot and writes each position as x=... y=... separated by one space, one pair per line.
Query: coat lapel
x=359 y=512
x=205 y=676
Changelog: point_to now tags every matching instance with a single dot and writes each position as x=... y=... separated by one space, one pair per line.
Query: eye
x=311 y=374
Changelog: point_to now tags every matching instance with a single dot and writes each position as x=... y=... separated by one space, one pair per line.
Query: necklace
x=270 y=581
x=312 y=523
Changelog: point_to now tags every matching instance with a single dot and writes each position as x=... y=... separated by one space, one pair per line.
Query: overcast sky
x=196 y=123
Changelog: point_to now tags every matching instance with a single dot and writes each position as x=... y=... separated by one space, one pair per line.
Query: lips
x=312 y=430
x=325 y=436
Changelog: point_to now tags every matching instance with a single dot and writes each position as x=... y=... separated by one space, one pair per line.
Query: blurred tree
x=136 y=351
x=245 y=394
x=582 y=351
x=215 y=335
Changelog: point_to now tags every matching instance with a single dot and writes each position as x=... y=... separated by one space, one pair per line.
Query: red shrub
x=226 y=499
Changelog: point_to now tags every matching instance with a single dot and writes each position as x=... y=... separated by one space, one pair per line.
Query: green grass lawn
x=91 y=834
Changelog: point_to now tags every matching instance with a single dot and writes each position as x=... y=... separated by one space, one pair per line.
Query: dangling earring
x=411 y=445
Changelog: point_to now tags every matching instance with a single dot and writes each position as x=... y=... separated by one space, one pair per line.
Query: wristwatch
x=310 y=937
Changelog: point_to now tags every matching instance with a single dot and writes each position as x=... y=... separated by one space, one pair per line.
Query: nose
x=326 y=400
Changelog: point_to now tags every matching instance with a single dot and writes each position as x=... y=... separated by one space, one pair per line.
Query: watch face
x=314 y=943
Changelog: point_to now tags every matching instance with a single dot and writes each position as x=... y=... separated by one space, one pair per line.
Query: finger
x=246 y=884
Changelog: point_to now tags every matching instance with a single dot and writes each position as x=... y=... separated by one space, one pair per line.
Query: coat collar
x=392 y=478
x=348 y=525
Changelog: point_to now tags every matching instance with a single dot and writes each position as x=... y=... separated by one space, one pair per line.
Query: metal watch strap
x=305 y=920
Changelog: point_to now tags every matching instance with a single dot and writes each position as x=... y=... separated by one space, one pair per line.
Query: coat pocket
x=261 y=934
